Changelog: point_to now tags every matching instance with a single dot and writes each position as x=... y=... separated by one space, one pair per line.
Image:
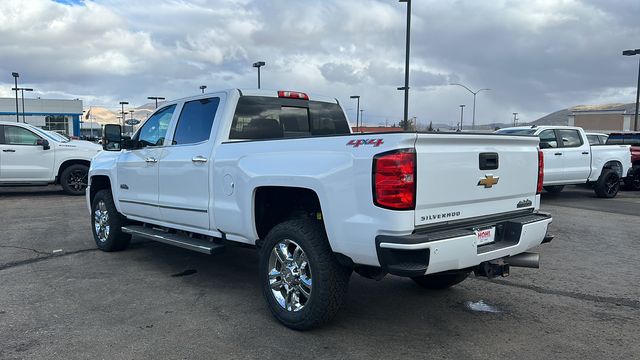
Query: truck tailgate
x=461 y=176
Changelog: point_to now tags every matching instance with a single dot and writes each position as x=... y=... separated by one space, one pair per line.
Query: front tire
x=608 y=184
x=74 y=179
x=302 y=282
x=106 y=223
x=441 y=281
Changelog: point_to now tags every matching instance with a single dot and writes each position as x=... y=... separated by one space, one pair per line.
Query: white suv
x=32 y=156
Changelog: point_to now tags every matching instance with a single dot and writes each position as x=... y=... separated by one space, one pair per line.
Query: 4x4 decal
x=357 y=143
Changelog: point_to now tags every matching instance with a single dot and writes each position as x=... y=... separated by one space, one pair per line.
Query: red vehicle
x=632 y=182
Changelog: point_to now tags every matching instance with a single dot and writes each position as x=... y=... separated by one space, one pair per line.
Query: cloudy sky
x=537 y=56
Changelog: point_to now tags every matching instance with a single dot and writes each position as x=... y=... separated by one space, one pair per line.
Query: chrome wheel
x=101 y=221
x=289 y=275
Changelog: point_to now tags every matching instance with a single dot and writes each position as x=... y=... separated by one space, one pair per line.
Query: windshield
x=516 y=131
x=59 y=137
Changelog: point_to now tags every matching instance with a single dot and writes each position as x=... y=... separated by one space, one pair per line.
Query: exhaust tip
x=527 y=260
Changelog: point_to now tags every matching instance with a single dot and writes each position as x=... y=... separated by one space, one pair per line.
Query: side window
x=570 y=138
x=195 y=122
x=155 y=129
x=14 y=135
x=593 y=139
x=548 y=139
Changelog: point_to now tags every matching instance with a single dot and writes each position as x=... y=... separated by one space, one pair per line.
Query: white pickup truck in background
x=281 y=171
x=569 y=159
x=32 y=156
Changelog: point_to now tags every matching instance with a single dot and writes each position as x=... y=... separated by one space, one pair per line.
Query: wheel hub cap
x=289 y=275
x=101 y=221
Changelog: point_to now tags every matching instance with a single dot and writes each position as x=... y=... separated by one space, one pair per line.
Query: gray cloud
x=536 y=56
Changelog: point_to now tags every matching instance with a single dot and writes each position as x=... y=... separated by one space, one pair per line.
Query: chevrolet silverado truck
x=569 y=159
x=31 y=156
x=280 y=171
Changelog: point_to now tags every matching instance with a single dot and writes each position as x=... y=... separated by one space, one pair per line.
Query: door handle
x=151 y=160
x=8 y=150
x=557 y=154
x=585 y=153
x=199 y=159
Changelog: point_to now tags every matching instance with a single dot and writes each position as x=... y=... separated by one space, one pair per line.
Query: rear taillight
x=540 y=171
x=394 y=179
x=293 y=95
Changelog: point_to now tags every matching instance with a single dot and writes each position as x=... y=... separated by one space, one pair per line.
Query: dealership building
x=62 y=116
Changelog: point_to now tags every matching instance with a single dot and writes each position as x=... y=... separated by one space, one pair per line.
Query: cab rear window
x=259 y=117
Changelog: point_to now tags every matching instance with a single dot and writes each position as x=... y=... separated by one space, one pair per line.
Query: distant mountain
x=557 y=118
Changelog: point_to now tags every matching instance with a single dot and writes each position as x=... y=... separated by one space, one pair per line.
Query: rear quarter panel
x=337 y=170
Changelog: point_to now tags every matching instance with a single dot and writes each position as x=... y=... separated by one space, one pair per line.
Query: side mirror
x=44 y=143
x=112 y=137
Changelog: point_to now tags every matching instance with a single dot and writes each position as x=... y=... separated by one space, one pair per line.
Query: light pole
x=22 y=90
x=357 y=110
x=131 y=112
x=15 y=78
x=123 y=103
x=258 y=65
x=202 y=87
x=406 y=67
x=361 y=119
x=631 y=53
x=515 y=118
x=461 y=115
x=156 y=98
x=473 y=121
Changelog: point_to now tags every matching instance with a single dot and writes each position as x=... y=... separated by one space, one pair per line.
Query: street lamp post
x=202 y=87
x=473 y=119
x=156 y=98
x=515 y=118
x=131 y=118
x=258 y=65
x=357 y=110
x=461 y=115
x=361 y=119
x=123 y=103
x=15 y=78
x=631 y=53
x=22 y=90
x=406 y=67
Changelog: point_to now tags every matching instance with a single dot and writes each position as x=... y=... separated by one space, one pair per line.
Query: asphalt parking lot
x=60 y=298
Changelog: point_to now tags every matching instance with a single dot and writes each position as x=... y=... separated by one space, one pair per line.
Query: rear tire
x=441 y=281
x=608 y=184
x=74 y=179
x=554 y=189
x=107 y=222
x=302 y=282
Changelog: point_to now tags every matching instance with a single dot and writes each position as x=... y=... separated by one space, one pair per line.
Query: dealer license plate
x=485 y=236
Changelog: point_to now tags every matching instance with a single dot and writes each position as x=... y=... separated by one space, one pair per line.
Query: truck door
x=21 y=159
x=576 y=154
x=185 y=167
x=138 y=169
x=553 y=157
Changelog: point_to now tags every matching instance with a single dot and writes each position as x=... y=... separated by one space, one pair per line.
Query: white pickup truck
x=33 y=156
x=569 y=159
x=281 y=171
